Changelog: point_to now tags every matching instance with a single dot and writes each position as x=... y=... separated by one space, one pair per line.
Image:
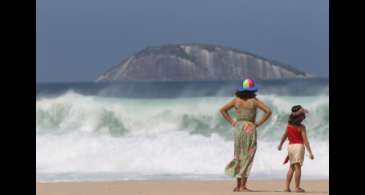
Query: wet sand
x=260 y=187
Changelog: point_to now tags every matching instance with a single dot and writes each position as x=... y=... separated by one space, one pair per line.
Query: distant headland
x=198 y=62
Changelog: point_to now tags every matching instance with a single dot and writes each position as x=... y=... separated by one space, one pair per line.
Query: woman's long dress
x=245 y=141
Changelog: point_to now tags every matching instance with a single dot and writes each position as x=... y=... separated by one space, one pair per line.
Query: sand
x=174 y=187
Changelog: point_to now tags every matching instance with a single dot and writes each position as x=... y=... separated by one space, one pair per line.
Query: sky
x=77 y=40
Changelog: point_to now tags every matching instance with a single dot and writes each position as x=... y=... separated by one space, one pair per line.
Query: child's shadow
x=316 y=192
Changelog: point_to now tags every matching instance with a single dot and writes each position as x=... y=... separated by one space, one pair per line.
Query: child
x=297 y=136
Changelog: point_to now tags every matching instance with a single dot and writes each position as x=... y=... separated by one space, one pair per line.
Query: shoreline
x=179 y=187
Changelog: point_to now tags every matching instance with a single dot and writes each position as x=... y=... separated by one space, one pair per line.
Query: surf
x=94 y=137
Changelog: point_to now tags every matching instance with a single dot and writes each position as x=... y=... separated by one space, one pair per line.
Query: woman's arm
x=283 y=138
x=306 y=142
x=224 y=112
x=265 y=109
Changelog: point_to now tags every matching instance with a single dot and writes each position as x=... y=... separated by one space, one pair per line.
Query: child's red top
x=294 y=134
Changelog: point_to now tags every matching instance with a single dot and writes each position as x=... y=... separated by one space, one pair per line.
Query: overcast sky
x=79 y=39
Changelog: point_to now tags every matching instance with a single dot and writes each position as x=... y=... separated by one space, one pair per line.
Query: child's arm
x=283 y=138
x=306 y=142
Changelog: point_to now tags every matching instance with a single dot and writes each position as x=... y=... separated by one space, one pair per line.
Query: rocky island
x=198 y=62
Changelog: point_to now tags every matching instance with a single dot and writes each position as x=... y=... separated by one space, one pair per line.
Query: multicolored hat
x=248 y=85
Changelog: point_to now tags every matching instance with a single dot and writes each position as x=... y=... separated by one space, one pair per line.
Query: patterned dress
x=245 y=141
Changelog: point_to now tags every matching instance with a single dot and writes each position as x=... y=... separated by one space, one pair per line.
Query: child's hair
x=296 y=119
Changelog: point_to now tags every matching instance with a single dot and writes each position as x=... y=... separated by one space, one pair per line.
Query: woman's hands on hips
x=234 y=123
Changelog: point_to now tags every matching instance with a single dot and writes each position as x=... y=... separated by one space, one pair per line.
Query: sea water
x=163 y=131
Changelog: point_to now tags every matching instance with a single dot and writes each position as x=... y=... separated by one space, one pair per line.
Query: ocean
x=167 y=130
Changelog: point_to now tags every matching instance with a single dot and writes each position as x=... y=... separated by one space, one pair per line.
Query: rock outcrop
x=187 y=62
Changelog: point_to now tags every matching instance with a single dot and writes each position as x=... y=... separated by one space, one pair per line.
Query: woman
x=245 y=135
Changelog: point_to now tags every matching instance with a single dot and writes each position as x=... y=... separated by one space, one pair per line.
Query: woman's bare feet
x=236 y=189
x=299 y=190
x=245 y=189
x=287 y=190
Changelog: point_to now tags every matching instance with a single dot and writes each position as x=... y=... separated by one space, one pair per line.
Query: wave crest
x=118 y=117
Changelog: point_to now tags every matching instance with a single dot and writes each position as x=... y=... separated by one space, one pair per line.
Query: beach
x=268 y=187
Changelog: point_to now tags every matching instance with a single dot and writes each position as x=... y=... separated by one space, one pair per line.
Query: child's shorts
x=296 y=153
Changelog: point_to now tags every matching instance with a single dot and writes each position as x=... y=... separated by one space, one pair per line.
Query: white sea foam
x=88 y=137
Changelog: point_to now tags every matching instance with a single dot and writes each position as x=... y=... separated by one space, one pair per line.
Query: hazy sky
x=79 y=39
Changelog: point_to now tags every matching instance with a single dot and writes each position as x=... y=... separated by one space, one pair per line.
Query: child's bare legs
x=297 y=175
x=237 y=188
x=289 y=176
